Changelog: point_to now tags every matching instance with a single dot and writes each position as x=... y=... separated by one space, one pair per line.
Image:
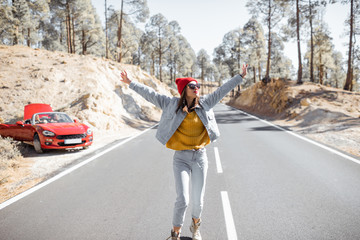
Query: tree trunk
x=352 y=64
x=83 y=42
x=311 y=45
x=171 y=68
x=299 y=80
x=321 y=70
x=238 y=61
x=16 y=32
x=348 y=82
x=68 y=27
x=119 y=31
x=73 y=33
x=61 y=35
x=153 y=64
x=259 y=71
x=16 y=39
x=202 y=77
x=68 y=35
x=175 y=67
x=160 y=56
x=171 y=73
x=269 y=42
x=28 y=38
x=351 y=81
x=254 y=69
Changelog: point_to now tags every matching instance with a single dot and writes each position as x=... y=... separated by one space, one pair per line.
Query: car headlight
x=88 y=132
x=48 y=133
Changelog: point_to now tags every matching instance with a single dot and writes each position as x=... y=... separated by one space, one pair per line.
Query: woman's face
x=192 y=90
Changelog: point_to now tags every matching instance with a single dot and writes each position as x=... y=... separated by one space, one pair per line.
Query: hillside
x=325 y=114
x=82 y=86
x=85 y=87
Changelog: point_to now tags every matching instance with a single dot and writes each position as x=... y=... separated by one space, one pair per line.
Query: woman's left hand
x=244 y=70
x=124 y=77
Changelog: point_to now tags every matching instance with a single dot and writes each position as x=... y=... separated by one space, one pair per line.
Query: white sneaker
x=194 y=228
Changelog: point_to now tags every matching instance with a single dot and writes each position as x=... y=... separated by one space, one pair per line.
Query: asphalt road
x=270 y=185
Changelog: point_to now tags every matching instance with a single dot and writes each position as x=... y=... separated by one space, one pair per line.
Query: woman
x=187 y=125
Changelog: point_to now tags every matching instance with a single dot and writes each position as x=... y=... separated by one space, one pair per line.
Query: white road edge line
x=64 y=173
x=229 y=220
x=217 y=160
x=303 y=138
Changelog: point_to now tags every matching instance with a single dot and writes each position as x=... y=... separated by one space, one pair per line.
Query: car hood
x=65 y=128
x=31 y=109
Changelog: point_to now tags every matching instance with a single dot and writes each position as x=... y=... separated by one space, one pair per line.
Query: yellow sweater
x=191 y=134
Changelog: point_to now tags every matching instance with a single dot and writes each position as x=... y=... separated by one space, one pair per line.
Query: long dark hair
x=182 y=102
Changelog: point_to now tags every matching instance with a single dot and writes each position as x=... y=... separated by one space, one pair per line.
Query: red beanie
x=182 y=82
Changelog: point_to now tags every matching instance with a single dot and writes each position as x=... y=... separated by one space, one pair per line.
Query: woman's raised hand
x=244 y=70
x=124 y=77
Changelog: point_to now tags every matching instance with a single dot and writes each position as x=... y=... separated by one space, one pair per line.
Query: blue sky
x=205 y=22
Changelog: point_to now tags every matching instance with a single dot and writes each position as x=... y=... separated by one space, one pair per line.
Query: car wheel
x=37 y=144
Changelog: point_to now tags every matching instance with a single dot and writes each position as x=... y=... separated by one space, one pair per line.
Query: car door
x=23 y=132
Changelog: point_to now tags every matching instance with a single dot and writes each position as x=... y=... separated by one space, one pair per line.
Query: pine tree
x=21 y=16
x=254 y=42
x=139 y=9
x=311 y=10
x=39 y=15
x=174 y=49
x=185 y=58
x=6 y=22
x=349 y=75
x=273 y=11
x=158 y=28
x=323 y=52
x=88 y=28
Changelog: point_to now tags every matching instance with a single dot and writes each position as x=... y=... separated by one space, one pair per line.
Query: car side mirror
x=76 y=121
x=20 y=123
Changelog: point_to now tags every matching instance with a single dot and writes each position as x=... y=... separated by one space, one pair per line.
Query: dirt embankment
x=325 y=114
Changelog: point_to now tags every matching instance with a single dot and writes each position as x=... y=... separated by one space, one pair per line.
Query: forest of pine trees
x=73 y=26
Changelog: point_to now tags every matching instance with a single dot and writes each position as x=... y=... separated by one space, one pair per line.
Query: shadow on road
x=28 y=151
x=185 y=238
x=231 y=118
x=268 y=128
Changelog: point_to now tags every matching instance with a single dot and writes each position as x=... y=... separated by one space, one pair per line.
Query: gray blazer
x=170 y=120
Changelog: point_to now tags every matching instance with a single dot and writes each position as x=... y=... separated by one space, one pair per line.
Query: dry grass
x=13 y=166
x=10 y=157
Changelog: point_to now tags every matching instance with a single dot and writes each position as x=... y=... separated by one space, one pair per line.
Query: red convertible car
x=45 y=129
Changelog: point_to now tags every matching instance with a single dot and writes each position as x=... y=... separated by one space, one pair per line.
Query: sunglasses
x=193 y=86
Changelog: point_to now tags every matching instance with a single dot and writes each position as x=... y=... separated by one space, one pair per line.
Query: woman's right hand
x=124 y=77
x=244 y=70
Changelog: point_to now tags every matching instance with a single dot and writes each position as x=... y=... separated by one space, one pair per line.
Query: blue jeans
x=189 y=164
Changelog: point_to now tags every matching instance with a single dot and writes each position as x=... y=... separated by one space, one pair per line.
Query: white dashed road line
x=229 y=220
x=217 y=160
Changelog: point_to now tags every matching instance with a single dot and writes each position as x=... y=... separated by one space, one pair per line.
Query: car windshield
x=51 y=117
